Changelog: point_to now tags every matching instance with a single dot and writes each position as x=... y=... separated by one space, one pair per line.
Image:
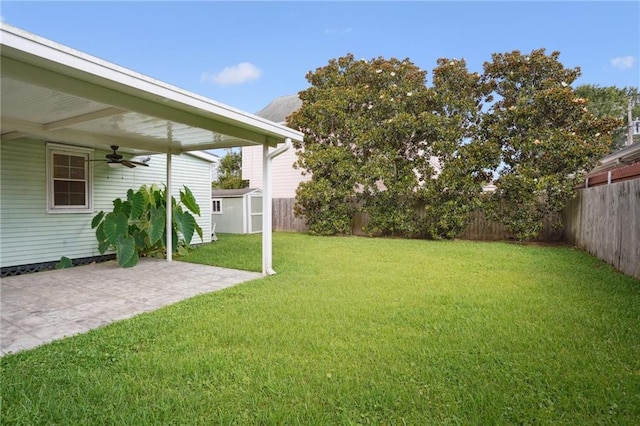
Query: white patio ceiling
x=54 y=93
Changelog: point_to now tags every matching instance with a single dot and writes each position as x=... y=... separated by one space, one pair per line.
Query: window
x=216 y=207
x=68 y=180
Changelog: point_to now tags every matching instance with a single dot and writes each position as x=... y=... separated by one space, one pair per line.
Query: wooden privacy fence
x=605 y=221
x=283 y=217
x=480 y=227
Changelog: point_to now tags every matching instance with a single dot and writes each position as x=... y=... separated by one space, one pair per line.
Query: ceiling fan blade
x=127 y=163
x=96 y=159
x=137 y=163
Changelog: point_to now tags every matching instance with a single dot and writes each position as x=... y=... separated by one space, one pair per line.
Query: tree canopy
x=230 y=172
x=415 y=157
x=611 y=101
x=545 y=135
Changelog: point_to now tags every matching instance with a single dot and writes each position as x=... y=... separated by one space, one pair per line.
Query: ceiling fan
x=114 y=160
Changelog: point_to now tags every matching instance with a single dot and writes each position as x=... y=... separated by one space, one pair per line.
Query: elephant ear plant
x=137 y=226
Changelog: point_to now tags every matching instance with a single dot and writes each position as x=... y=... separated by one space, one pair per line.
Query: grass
x=357 y=331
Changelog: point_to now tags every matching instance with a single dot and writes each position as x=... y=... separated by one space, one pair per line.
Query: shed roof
x=221 y=193
x=55 y=93
x=280 y=108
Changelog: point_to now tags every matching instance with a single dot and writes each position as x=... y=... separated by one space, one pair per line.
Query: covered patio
x=39 y=308
x=53 y=93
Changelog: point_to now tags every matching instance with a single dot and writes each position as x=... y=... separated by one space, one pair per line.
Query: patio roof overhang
x=55 y=93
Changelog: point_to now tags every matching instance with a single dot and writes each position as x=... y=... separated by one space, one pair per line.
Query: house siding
x=285 y=177
x=28 y=234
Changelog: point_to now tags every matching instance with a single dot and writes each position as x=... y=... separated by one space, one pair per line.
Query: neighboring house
x=285 y=177
x=236 y=211
x=623 y=164
x=215 y=165
x=61 y=107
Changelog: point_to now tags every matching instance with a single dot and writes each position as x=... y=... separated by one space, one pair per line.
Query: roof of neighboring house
x=628 y=155
x=280 y=108
x=204 y=155
x=219 y=193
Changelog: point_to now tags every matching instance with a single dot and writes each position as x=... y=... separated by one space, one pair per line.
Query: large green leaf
x=117 y=205
x=64 y=263
x=158 y=195
x=199 y=231
x=186 y=224
x=126 y=252
x=138 y=202
x=103 y=246
x=157 y=222
x=115 y=225
x=174 y=240
x=140 y=238
x=189 y=201
x=100 y=236
x=126 y=208
x=97 y=219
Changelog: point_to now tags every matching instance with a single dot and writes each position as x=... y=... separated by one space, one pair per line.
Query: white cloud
x=236 y=74
x=623 y=62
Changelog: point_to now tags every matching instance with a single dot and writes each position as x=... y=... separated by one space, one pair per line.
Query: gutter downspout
x=267 y=223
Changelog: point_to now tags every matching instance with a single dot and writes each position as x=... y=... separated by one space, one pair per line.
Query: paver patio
x=42 y=307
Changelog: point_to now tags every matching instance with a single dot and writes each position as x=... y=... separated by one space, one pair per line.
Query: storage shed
x=236 y=211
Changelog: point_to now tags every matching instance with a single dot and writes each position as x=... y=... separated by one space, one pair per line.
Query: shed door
x=255 y=213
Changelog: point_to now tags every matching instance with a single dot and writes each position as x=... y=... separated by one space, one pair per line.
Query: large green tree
x=611 y=101
x=374 y=131
x=365 y=131
x=376 y=139
x=449 y=198
x=230 y=172
x=545 y=136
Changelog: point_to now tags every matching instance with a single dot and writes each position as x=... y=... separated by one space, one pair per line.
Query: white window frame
x=87 y=154
x=213 y=206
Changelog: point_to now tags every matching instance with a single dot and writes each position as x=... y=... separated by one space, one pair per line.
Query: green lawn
x=357 y=331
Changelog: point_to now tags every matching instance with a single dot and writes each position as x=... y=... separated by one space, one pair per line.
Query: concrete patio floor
x=45 y=306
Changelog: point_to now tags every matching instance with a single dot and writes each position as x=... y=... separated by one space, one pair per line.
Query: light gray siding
x=230 y=221
x=29 y=235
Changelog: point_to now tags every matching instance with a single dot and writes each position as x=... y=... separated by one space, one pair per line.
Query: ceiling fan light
x=114 y=165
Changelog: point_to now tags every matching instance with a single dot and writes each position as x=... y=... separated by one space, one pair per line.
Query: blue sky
x=245 y=54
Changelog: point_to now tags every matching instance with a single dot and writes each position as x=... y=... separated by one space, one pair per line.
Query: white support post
x=267 y=268
x=267 y=213
x=169 y=229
